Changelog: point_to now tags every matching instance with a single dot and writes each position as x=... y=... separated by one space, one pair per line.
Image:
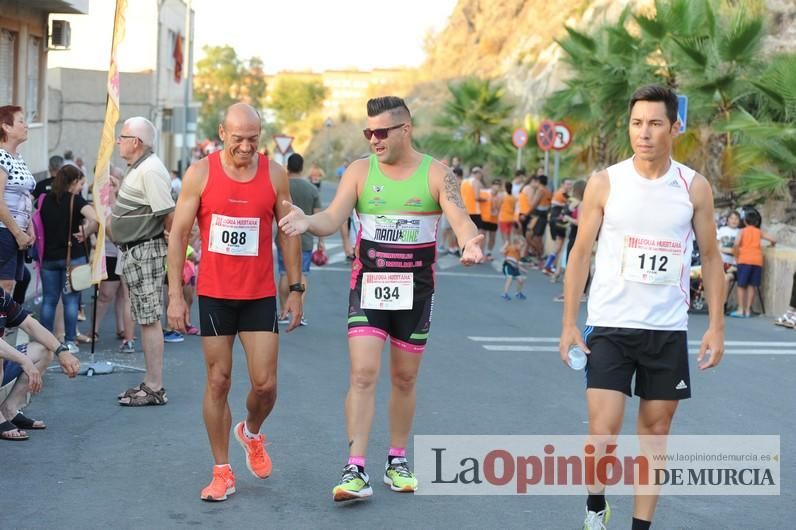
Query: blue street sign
x=682 y=111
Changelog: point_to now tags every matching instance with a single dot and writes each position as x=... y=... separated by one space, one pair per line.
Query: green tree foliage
x=222 y=79
x=707 y=49
x=474 y=125
x=764 y=151
x=295 y=99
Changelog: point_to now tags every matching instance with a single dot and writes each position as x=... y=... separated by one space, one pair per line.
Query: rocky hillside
x=514 y=40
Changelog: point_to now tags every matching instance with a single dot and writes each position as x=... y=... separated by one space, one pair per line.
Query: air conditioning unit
x=60 y=35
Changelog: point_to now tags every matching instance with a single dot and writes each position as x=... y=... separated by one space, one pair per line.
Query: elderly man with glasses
x=140 y=220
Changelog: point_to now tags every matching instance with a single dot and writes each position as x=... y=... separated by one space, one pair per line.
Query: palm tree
x=708 y=50
x=474 y=125
x=607 y=67
x=764 y=150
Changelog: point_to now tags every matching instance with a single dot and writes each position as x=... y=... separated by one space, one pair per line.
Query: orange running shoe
x=223 y=484
x=257 y=459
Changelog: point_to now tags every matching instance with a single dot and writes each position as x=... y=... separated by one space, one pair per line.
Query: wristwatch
x=296 y=288
x=60 y=349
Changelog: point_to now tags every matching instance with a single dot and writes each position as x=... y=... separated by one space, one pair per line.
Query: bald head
x=240 y=132
x=240 y=114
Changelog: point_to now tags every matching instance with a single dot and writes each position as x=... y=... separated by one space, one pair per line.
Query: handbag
x=78 y=278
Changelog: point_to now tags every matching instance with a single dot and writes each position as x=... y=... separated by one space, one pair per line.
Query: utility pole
x=185 y=158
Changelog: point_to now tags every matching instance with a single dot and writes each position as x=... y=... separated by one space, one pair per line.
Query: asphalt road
x=99 y=465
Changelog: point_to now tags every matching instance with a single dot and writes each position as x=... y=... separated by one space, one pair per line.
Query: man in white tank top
x=646 y=210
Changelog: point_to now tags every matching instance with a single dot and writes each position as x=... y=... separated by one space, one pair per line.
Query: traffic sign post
x=283 y=143
x=545 y=139
x=682 y=111
x=561 y=140
x=519 y=138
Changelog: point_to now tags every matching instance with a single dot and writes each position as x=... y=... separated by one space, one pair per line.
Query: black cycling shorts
x=408 y=329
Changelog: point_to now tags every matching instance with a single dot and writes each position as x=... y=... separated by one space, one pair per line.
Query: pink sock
x=357 y=461
x=397 y=451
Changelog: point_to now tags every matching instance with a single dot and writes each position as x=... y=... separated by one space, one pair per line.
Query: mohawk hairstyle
x=392 y=104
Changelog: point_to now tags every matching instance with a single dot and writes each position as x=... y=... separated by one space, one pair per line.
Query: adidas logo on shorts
x=681 y=385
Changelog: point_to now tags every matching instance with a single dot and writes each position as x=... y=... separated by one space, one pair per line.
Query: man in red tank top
x=235 y=194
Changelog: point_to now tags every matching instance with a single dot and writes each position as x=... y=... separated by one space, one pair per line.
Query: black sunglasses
x=380 y=134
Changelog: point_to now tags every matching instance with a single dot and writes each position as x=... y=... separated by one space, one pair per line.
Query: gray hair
x=142 y=128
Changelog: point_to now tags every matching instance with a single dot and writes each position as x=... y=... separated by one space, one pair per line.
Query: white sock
x=248 y=434
x=221 y=466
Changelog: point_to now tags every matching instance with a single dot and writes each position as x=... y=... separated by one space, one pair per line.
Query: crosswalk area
x=550 y=344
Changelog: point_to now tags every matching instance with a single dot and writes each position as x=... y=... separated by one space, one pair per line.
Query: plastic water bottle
x=577 y=358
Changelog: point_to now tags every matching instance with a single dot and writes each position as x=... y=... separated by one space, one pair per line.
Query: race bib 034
x=390 y=291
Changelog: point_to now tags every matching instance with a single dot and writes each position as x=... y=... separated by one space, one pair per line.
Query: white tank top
x=643 y=262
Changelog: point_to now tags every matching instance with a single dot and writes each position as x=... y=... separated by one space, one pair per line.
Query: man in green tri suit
x=399 y=195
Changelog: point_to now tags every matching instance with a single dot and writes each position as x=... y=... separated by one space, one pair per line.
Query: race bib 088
x=390 y=291
x=234 y=236
x=652 y=260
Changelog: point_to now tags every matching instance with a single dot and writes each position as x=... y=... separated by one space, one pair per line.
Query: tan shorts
x=144 y=271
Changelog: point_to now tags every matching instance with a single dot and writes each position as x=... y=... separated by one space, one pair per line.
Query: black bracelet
x=60 y=349
x=296 y=288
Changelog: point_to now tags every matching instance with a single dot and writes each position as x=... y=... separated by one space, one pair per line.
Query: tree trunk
x=717 y=143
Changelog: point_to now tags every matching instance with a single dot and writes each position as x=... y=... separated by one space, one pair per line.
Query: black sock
x=641 y=524
x=390 y=458
x=595 y=502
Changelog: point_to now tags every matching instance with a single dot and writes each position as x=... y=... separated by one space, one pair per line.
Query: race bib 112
x=652 y=260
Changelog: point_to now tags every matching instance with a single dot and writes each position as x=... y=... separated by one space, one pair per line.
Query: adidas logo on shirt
x=674 y=184
x=681 y=385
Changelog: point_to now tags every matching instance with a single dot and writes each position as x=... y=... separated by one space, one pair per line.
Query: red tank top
x=235 y=223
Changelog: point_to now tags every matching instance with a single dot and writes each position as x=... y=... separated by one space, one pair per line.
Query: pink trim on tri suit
x=405 y=346
x=356 y=267
x=686 y=294
x=422 y=245
x=367 y=331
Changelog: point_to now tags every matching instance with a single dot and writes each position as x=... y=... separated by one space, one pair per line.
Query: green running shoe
x=597 y=520
x=354 y=485
x=398 y=477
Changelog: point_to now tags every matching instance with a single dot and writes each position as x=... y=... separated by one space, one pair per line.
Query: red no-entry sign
x=519 y=138
x=546 y=136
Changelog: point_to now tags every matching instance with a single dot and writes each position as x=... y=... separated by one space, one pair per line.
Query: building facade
x=156 y=78
x=24 y=54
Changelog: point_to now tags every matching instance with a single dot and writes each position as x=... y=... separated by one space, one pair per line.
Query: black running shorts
x=219 y=316
x=659 y=360
x=541 y=222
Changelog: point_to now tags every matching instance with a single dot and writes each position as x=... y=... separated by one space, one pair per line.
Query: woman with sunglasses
x=398 y=194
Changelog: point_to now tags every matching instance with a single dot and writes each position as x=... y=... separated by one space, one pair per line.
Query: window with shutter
x=34 y=62
x=7 y=69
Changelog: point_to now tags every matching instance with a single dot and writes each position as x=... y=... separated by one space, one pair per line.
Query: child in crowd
x=512 y=269
x=726 y=236
x=749 y=255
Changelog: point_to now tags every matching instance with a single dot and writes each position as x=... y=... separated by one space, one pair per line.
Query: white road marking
x=734 y=347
